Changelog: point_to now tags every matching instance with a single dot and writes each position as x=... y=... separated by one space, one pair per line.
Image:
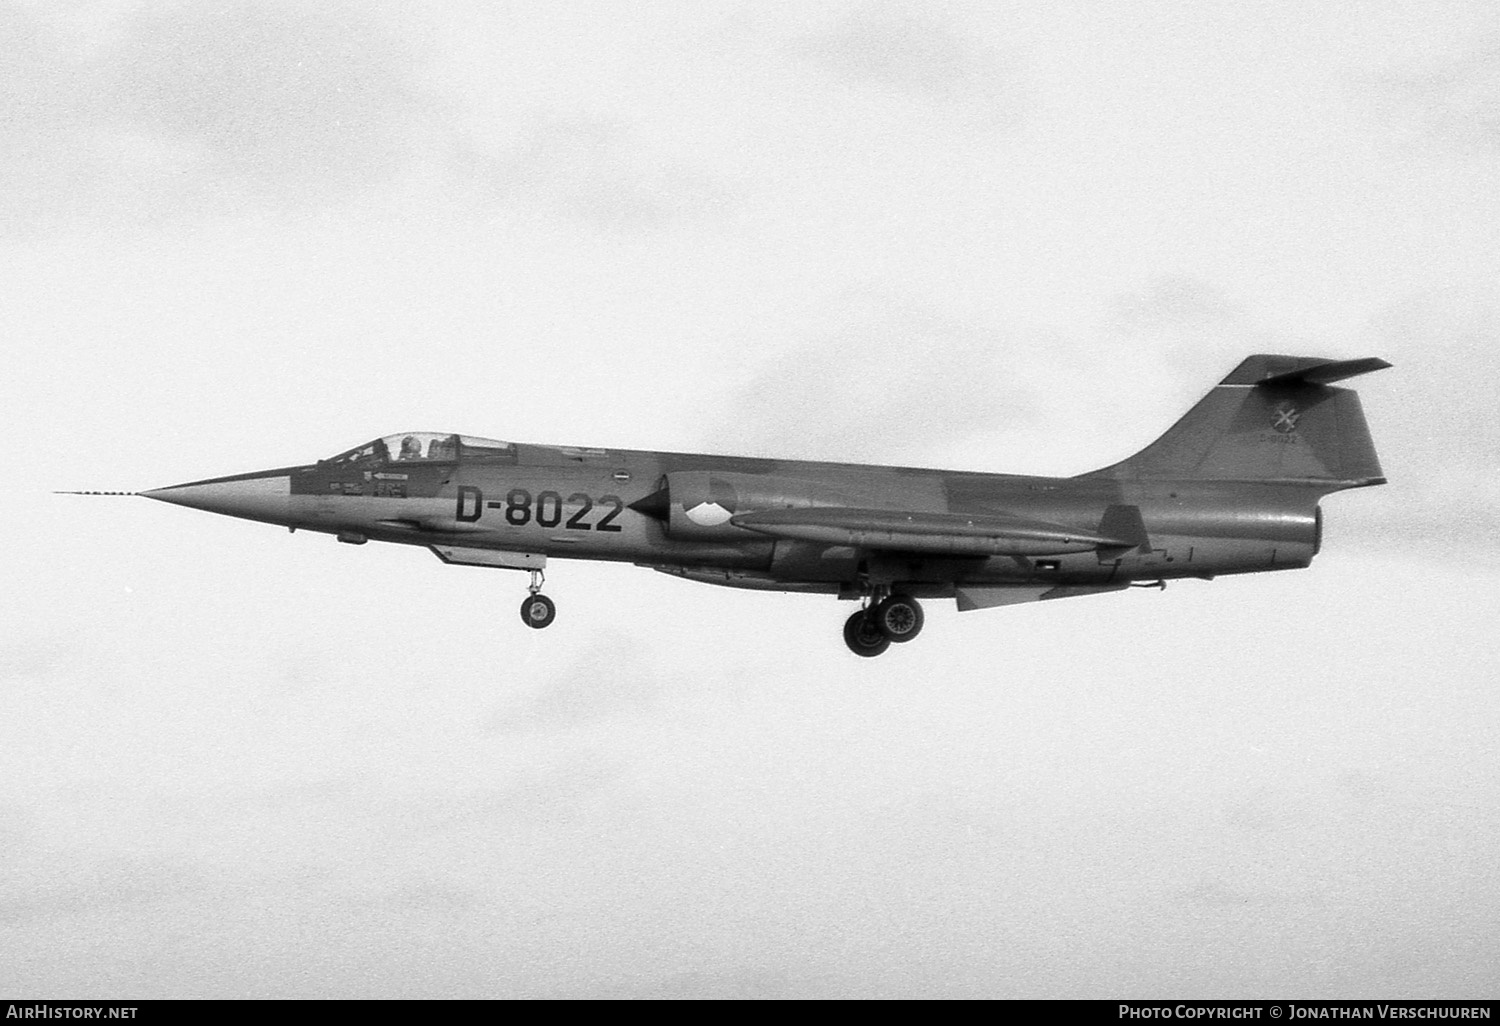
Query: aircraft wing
x=954 y=534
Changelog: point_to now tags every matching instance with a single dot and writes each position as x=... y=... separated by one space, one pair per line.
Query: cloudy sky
x=237 y=235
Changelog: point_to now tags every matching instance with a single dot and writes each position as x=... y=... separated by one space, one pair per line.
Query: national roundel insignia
x=718 y=507
x=1284 y=418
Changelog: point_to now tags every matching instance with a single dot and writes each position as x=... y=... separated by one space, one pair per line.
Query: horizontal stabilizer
x=959 y=534
x=1326 y=372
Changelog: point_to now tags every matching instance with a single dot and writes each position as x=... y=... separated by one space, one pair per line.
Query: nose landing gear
x=538 y=610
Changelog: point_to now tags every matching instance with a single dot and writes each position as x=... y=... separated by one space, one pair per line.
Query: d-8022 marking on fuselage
x=545 y=510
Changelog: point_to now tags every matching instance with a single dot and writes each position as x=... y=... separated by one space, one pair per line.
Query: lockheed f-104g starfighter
x=1231 y=488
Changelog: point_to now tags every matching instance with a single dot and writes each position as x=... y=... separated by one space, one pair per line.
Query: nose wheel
x=537 y=611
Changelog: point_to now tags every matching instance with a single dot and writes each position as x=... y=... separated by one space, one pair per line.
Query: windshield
x=372 y=452
x=427 y=447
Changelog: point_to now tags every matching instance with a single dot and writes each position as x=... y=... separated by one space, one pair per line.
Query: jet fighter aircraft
x=1232 y=488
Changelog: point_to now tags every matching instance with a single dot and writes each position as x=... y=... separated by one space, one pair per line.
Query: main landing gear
x=895 y=618
x=538 y=610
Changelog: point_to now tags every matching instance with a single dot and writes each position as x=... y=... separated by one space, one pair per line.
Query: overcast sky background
x=1009 y=237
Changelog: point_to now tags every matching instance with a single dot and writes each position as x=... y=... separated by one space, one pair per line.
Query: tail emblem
x=1284 y=418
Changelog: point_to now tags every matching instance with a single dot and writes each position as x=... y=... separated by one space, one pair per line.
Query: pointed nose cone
x=265 y=496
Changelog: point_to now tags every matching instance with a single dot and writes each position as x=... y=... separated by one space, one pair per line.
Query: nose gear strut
x=537 y=610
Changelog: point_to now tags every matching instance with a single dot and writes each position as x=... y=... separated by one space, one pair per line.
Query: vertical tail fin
x=1274 y=418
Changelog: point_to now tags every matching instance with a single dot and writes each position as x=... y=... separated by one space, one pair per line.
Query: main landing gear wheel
x=862 y=635
x=538 y=611
x=898 y=617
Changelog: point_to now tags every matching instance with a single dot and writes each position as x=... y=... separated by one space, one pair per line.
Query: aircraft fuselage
x=1233 y=487
x=562 y=506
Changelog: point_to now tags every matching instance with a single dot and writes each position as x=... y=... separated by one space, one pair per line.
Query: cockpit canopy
x=427 y=447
